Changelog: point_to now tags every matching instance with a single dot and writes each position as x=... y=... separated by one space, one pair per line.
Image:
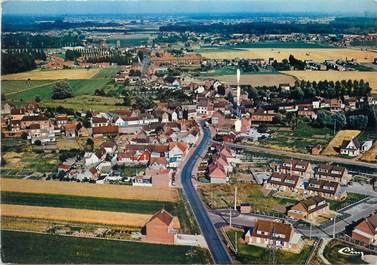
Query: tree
x=38 y=142
x=62 y=90
x=339 y=120
x=221 y=90
x=262 y=128
x=359 y=122
x=324 y=119
x=297 y=93
x=37 y=99
x=72 y=55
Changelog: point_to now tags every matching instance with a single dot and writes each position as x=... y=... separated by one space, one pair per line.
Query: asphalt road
x=215 y=245
x=319 y=158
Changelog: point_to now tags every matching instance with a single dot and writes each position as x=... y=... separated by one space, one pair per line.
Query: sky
x=48 y=7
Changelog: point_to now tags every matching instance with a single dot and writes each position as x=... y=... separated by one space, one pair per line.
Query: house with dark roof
x=160 y=229
x=295 y=167
x=332 y=173
x=350 y=147
x=309 y=208
x=283 y=182
x=268 y=233
x=366 y=231
x=328 y=189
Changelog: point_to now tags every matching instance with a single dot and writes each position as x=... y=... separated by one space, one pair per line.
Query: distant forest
x=362 y=25
x=23 y=40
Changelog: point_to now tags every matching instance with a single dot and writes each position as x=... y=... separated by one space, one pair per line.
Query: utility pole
x=235 y=198
x=310 y=231
x=333 y=232
x=230 y=216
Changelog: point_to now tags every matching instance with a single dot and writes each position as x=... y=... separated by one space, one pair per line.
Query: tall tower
x=238 y=123
x=238 y=89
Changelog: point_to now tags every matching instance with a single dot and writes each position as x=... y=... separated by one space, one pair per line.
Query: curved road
x=215 y=245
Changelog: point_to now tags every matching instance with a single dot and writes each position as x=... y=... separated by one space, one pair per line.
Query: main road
x=214 y=242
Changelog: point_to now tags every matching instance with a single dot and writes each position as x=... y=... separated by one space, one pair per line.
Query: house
x=132 y=157
x=309 y=208
x=158 y=163
x=283 y=182
x=69 y=130
x=160 y=177
x=44 y=135
x=217 y=174
x=61 y=120
x=109 y=146
x=41 y=120
x=245 y=208
x=268 y=233
x=91 y=158
x=99 y=122
x=332 y=173
x=176 y=152
x=327 y=189
x=366 y=231
x=204 y=107
x=316 y=149
x=110 y=130
x=299 y=168
x=261 y=116
x=366 y=146
x=159 y=229
x=350 y=147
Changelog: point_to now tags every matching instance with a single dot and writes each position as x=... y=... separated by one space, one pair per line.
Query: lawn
x=334 y=257
x=37 y=163
x=16 y=86
x=107 y=73
x=351 y=198
x=222 y=196
x=91 y=203
x=248 y=254
x=94 y=103
x=300 y=140
x=44 y=91
x=20 y=247
x=53 y=74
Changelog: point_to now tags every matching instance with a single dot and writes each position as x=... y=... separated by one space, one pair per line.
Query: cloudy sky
x=187 y=6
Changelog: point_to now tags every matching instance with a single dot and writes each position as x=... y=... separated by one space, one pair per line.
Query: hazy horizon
x=92 y=7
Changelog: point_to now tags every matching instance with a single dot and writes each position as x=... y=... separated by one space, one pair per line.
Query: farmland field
x=91 y=203
x=299 y=140
x=94 y=103
x=89 y=190
x=371 y=77
x=53 y=74
x=75 y=215
x=21 y=247
x=316 y=54
x=257 y=79
x=332 y=148
x=371 y=154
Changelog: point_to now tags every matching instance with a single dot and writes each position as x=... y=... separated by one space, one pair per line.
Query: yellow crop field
x=371 y=154
x=316 y=54
x=370 y=77
x=70 y=74
x=332 y=148
x=90 y=190
x=75 y=215
x=258 y=79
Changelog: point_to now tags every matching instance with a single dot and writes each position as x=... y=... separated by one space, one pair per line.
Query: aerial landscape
x=189 y=132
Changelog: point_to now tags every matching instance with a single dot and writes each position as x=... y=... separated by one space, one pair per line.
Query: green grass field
x=21 y=89
x=33 y=248
x=248 y=254
x=301 y=139
x=79 y=202
x=267 y=44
